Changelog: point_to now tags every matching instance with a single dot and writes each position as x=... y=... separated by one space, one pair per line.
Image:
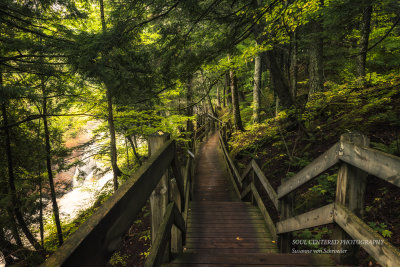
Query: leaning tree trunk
x=235 y=101
x=49 y=168
x=110 y=119
x=11 y=181
x=316 y=58
x=363 y=46
x=257 y=88
x=134 y=149
x=14 y=228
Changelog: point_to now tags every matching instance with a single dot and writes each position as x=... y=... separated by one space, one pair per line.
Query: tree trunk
x=134 y=150
x=127 y=153
x=14 y=228
x=316 y=58
x=279 y=84
x=363 y=46
x=113 y=144
x=218 y=98
x=49 y=168
x=210 y=104
x=235 y=101
x=11 y=181
x=257 y=88
x=41 y=226
x=110 y=119
x=293 y=66
x=189 y=101
x=40 y=183
x=228 y=94
x=224 y=94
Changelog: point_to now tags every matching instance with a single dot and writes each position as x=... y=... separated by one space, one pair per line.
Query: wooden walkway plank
x=224 y=231
x=253 y=259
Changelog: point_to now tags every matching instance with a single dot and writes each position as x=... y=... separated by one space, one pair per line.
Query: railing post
x=285 y=211
x=176 y=236
x=159 y=197
x=252 y=180
x=350 y=191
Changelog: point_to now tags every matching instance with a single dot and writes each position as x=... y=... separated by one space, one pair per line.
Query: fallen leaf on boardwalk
x=239 y=238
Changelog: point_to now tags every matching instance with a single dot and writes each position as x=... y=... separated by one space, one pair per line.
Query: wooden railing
x=98 y=237
x=355 y=159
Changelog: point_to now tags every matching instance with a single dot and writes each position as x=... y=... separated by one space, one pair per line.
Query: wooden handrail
x=317 y=217
x=312 y=170
x=270 y=224
x=264 y=181
x=187 y=184
x=214 y=118
x=234 y=174
x=383 y=252
x=157 y=250
x=179 y=181
x=95 y=240
x=375 y=162
x=380 y=164
x=237 y=178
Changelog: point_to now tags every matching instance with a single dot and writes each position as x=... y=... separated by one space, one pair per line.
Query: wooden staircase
x=216 y=227
x=224 y=231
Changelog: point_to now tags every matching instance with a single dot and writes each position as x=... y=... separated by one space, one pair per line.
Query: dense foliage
x=291 y=76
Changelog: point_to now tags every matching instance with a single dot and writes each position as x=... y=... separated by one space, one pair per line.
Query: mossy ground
x=284 y=144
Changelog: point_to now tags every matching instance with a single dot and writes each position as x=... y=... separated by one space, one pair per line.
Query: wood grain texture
x=157 y=249
x=375 y=162
x=264 y=181
x=257 y=259
x=235 y=172
x=267 y=219
x=320 y=164
x=385 y=254
x=317 y=217
x=218 y=222
x=95 y=240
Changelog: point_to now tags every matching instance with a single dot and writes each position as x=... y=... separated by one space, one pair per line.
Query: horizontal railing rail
x=355 y=159
x=375 y=162
x=233 y=172
x=100 y=235
x=95 y=240
x=172 y=217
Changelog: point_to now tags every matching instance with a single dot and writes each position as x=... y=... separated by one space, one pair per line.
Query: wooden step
x=230 y=250
x=252 y=259
x=228 y=234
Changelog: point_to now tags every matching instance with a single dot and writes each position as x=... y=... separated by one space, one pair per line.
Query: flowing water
x=88 y=179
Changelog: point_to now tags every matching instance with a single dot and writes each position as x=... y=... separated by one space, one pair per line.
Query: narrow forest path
x=224 y=231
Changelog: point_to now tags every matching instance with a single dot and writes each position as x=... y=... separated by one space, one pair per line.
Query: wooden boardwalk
x=224 y=231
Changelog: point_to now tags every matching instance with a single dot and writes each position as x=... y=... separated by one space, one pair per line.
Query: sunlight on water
x=87 y=181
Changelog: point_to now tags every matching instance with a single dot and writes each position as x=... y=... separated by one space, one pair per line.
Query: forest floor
x=282 y=147
x=136 y=243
